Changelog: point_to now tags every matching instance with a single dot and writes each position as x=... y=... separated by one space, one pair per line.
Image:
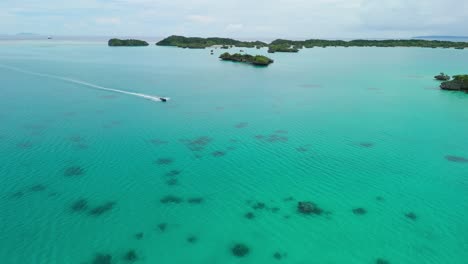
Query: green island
x=126 y=42
x=420 y=43
x=458 y=83
x=283 y=45
x=282 y=48
x=201 y=43
x=257 y=60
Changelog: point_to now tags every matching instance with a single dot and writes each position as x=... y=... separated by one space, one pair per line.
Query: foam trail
x=145 y=96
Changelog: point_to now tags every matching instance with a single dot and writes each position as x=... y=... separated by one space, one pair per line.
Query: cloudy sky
x=236 y=18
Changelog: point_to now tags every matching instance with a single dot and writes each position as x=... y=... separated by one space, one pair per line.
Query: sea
x=224 y=170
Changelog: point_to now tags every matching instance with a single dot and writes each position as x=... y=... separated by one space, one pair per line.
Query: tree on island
x=284 y=45
x=458 y=83
x=201 y=43
x=126 y=42
x=258 y=60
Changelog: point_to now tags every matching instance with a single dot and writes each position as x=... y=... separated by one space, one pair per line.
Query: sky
x=236 y=18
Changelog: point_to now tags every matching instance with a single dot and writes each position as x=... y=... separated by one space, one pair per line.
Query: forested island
x=283 y=45
x=126 y=42
x=201 y=43
x=421 y=43
x=458 y=83
x=282 y=48
x=258 y=60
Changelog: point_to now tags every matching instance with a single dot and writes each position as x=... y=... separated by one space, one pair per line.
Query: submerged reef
x=249 y=215
x=130 y=256
x=164 y=161
x=195 y=200
x=259 y=205
x=456 y=159
x=278 y=255
x=162 y=227
x=218 y=153
x=241 y=125
x=24 y=145
x=102 y=209
x=309 y=208
x=17 y=194
x=272 y=138
x=168 y=199
x=192 y=239
x=173 y=173
x=304 y=148
x=158 y=142
x=172 y=182
x=139 y=236
x=102 y=259
x=359 y=211
x=411 y=215
x=37 y=188
x=366 y=144
x=240 y=250
x=73 y=171
x=381 y=261
x=80 y=205
x=197 y=144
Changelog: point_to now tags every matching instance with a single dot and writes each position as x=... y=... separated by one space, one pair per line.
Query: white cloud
x=107 y=21
x=412 y=16
x=240 y=18
x=200 y=19
x=234 y=27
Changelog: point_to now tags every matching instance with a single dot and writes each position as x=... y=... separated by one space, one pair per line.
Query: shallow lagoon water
x=86 y=172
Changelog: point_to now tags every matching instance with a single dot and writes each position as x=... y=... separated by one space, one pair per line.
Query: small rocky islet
x=257 y=60
x=115 y=42
x=456 y=83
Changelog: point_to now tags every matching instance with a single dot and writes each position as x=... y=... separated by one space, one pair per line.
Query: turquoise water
x=345 y=128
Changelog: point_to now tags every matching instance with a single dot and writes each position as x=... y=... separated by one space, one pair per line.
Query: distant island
x=126 y=42
x=283 y=45
x=458 y=83
x=282 y=48
x=201 y=43
x=421 y=43
x=441 y=37
x=258 y=60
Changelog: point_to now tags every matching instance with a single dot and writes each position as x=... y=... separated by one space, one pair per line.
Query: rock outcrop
x=459 y=83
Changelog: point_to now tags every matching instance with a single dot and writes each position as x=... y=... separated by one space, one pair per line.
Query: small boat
x=163 y=99
x=49 y=37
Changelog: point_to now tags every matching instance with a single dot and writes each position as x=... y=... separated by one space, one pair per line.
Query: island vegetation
x=458 y=83
x=442 y=77
x=421 y=43
x=126 y=42
x=201 y=43
x=258 y=60
x=284 y=45
x=282 y=48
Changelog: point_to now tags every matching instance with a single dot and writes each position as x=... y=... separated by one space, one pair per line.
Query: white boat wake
x=66 y=79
